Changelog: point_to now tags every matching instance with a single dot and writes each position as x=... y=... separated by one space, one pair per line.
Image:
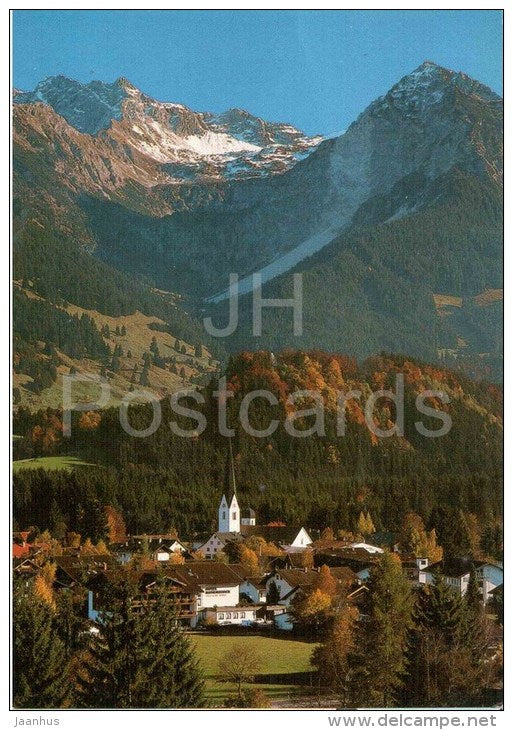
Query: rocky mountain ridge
x=234 y=144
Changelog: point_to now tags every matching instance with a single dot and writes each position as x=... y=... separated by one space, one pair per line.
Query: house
x=372 y=549
x=74 y=571
x=291 y=581
x=157 y=547
x=165 y=550
x=456 y=573
x=254 y=589
x=358 y=559
x=248 y=517
x=25 y=568
x=214 y=584
x=283 y=536
x=412 y=567
x=278 y=615
x=240 y=615
x=182 y=598
x=20 y=544
x=294 y=583
x=216 y=543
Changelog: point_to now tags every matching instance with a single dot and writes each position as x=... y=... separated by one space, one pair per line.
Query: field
x=287 y=658
x=50 y=463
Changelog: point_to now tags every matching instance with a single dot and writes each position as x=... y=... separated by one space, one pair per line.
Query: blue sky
x=315 y=69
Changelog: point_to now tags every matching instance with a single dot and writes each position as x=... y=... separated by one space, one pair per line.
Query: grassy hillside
x=45 y=350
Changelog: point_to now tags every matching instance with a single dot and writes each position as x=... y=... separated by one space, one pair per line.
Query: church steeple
x=232 y=470
x=229 y=515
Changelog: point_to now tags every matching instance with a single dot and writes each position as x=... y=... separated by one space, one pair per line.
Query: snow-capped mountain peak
x=232 y=144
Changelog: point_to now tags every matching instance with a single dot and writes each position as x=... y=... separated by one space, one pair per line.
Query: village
x=210 y=587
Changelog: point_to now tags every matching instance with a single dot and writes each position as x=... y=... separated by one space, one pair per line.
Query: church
x=230 y=518
x=234 y=525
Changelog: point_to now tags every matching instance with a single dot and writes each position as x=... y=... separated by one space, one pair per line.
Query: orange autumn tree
x=332 y=657
x=115 y=524
x=325 y=582
x=415 y=540
x=312 y=611
x=43 y=583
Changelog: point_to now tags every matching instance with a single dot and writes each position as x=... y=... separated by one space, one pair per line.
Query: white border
x=250 y=720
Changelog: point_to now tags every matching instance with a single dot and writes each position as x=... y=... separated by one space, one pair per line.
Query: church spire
x=232 y=469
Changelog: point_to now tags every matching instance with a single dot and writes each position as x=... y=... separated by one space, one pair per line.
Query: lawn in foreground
x=50 y=463
x=279 y=656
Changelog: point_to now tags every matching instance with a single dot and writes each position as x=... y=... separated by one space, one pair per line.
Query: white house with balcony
x=456 y=573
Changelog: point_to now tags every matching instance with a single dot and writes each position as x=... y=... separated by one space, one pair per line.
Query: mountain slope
x=404 y=207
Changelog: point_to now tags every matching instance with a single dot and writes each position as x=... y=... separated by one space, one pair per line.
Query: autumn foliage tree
x=332 y=657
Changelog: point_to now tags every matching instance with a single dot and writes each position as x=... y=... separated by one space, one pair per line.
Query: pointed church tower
x=223 y=520
x=229 y=516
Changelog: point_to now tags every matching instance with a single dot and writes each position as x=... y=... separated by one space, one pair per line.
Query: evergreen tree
x=144 y=377
x=446 y=651
x=172 y=677
x=381 y=646
x=110 y=673
x=473 y=599
x=39 y=656
x=141 y=658
x=273 y=594
x=153 y=346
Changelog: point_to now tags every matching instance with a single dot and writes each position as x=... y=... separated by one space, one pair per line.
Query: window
x=243 y=614
x=220 y=616
x=224 y=515
x=234 y=515
x=228 y=615
x=235 y=615
x=208 y=550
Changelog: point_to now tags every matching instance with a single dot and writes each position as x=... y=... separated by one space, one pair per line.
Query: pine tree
x=153 y=346
x=40 y=663
x=110 y=673
x=172 y=677
x=473 y=599
x=383 y=638
x=273 y=594
x=144 y=377
x=141 y=658
x=442 y=607
x=446 y=650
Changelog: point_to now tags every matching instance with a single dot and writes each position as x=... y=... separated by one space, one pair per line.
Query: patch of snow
x=217 y=143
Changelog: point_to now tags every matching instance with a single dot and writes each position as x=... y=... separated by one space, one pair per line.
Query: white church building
x=236 y=525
